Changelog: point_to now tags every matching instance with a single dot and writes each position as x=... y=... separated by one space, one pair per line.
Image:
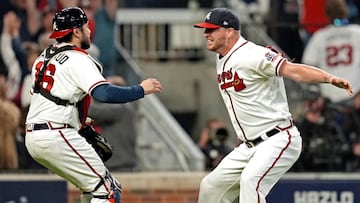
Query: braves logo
x=208 y=16
x=236 y=82
x=225 y=76
x=55 y=27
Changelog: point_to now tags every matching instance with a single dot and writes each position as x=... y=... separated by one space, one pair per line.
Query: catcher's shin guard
x=113 y=188
x=115 y=195
x=107 y=191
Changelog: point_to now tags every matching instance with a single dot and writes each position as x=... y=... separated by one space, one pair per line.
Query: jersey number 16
x=47 y=80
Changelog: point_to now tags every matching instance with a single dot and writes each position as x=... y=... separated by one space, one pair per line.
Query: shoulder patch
x=271 y=56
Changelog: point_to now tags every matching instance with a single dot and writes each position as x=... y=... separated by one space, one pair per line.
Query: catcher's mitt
x=100 y=144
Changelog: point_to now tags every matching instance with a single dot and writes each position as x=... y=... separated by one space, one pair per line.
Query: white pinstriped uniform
x=71 y=75
x=255 y=98
x=73 y=80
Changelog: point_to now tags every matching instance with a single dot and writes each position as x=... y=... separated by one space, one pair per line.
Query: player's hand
x=151 y=85
x=341 y=83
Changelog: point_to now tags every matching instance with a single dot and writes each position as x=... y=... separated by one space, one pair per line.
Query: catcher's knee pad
x=109 y=190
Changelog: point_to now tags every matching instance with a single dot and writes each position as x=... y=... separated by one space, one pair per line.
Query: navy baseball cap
x=220 y=17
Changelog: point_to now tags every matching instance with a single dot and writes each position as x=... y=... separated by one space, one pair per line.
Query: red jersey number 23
x=339 y=55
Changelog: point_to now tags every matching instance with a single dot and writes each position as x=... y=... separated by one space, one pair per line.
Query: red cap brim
x=60 y=33
x=206 y=25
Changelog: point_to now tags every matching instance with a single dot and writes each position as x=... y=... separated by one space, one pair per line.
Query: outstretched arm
x=108 y=93
x=310 y=74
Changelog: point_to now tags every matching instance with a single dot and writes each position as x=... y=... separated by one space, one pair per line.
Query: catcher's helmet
x=66 y=20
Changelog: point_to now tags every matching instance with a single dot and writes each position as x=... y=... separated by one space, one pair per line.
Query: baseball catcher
x=60 y=100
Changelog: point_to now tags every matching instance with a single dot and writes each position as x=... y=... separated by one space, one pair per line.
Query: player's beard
x=216 y=45
x=85 y=44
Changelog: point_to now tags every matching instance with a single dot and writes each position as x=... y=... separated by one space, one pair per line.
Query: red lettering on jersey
x=37 y=68
x=47 y=80
x=339 y=55
x=237 y=83
x=225 y=76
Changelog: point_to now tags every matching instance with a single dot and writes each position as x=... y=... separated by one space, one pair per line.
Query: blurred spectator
x=68 y=3
x=48 y=5
x=212 y=143
x=93 y=50
x=116 y=123
x=335 y=48
x=165 y=3
x=160 y=3
x=312 y=17
x=32 y=51
x=42 y=36
x=3 y=69
x=283 y=27
x=326 y=147
x=311 y=126
x=9 y=119
x=258 y=9
x=104 y=13
x=10 y=32
x=25 y=160
x=29 y=15
x=354 y=11
x=5 y=6
x=56 y=5
x=352 y=129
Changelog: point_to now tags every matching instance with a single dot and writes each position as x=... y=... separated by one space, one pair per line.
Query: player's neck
x=65 y=43
x=228 y=45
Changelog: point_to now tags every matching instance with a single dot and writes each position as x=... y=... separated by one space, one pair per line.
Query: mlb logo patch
x=271 y=56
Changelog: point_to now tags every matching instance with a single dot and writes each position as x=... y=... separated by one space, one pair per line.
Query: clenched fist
x=151 y=85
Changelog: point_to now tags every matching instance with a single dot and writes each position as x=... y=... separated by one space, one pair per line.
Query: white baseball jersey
x=69 y=75
x=335 y=49
x=254 y=95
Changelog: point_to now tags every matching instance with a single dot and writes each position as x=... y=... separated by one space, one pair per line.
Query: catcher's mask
x=66 y=20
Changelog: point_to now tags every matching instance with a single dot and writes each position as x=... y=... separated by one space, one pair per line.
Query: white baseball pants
x=250 y=173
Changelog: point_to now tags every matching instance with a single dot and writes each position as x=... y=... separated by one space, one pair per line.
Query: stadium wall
x=180 y=187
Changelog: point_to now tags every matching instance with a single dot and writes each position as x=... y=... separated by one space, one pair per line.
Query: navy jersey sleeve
x=108 y=93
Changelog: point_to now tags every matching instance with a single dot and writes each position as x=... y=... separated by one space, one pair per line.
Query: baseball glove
x=99 y=143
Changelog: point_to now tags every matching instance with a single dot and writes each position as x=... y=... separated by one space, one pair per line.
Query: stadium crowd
x=330 y=129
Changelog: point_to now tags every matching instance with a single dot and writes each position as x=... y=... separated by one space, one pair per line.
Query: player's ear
x=77 y=32
x=230 y=31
